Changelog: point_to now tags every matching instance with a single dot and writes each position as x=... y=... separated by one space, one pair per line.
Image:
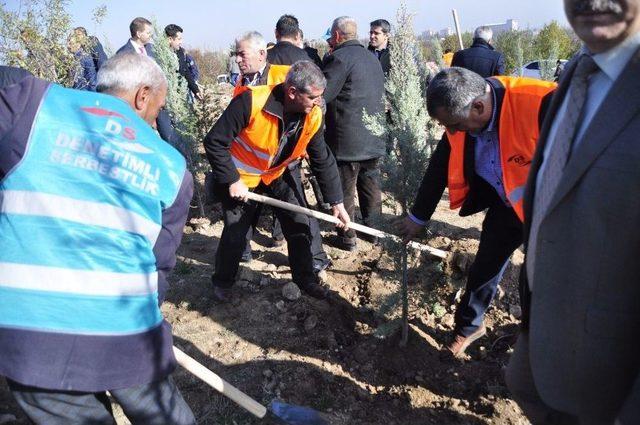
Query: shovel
x=282 y=413
x=355 y=226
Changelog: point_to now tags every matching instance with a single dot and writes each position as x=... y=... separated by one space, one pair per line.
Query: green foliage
x=436 y=52
x=551 y=43
x=555 y=41
x=451 y=41
x=411 y=137
x=35 y=38
x=517 y=47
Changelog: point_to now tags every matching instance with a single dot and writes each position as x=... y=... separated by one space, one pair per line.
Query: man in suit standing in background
x=577 y=358
x=140 y=41
x=481 y=57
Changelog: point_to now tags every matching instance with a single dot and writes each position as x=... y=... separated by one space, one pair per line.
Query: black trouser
x=320 y=257
x=238 y=217
x=501 y=235
x=363 y=176
x=157 y=403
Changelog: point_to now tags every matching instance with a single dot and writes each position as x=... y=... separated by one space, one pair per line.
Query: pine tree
x=183 y=115
x=411 y=136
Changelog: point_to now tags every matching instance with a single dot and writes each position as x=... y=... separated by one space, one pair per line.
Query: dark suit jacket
x=583 y=314
x=480 y=58
x=286 y=53
x=354 y=82
x=10 y=75
x=385 y=59
x=128 y=47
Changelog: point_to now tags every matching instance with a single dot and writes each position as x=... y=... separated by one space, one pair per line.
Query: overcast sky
x=214 y=24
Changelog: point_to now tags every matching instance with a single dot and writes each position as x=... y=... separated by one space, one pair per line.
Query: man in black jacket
x=247 y=148
x=174 y=33
x=379 y=43
x=286 y=51
x=485 y=126
x=355 y=82
x=481 y=57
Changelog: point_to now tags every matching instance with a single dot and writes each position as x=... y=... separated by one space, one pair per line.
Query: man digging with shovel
x=259 y=134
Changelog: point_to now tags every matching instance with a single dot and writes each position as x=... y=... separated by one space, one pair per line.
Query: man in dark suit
x=140 y=41
x=577 y=359
x=481 y=57
x=379 y=31
x=355 y=82
x=286 y=50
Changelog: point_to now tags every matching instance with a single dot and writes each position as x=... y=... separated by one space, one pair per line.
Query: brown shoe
x=461 y=343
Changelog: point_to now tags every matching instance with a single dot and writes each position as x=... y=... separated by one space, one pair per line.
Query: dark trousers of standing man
x=320 y=258
x=363 y=176
x=238 y=217
x=156 y=403
x=501 y=235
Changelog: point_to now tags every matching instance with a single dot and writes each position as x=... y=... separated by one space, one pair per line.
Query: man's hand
x=340 y=213
x=407 y=228
x=238 y=191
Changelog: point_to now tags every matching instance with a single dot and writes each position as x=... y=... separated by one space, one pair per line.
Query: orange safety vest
x=253 y=150
x=277 y=74
x=518 y=132
x=447 y=58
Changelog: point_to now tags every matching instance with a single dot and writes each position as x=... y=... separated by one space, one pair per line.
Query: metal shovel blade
x=291 y=414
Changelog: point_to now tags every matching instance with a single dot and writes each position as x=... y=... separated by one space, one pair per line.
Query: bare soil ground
x=328 y=354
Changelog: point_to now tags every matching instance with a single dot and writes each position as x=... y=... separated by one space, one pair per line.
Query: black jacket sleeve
x=173 y=220
x=335 y=71
x=324 y=167
x=434 y=182
x=218 y=141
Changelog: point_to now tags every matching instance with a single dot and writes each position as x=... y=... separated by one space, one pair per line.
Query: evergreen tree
x=411 y=135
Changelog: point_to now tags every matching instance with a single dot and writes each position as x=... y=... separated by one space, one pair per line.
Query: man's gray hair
x=254 y=38
x=305 y=74
x=126 y=72
x=484 y=32
x=346 y=26
x=454 y=89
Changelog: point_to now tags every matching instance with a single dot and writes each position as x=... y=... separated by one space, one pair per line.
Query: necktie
x=559 y=153
x=142 y=51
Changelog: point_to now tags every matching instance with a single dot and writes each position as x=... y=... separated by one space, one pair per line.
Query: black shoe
x=315 y=290
x=321 y=265
x=221 y=295
x=275 y=243
x=347 y=244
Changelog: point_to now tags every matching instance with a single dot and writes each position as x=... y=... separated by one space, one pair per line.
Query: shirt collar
x=613 y=61
x=492 y=124
x=256 y=77
x=136 y=44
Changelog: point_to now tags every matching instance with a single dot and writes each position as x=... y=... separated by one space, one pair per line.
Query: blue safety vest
x=79 y=217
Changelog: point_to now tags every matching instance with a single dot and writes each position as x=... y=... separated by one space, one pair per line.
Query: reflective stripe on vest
x=518 y=132
x=253 y=150
x=277 y=74
x=79 y=217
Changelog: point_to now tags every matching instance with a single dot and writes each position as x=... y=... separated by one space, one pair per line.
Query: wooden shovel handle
x=331 y=219
x=228 y=390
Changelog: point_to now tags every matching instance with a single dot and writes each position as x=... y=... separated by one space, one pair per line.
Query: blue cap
x=327 y=35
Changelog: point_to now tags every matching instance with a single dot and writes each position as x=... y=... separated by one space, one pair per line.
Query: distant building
x=510 y=25
x=428 y=34
x=446 y=32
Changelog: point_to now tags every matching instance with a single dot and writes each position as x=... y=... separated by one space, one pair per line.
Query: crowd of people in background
x=553 y=167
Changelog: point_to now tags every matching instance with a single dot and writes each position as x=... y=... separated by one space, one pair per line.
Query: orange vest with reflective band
x=518 y=132
x=277 y=74
x=254 y=149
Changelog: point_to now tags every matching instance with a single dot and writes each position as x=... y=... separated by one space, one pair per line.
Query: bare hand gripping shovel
x=281 y=412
